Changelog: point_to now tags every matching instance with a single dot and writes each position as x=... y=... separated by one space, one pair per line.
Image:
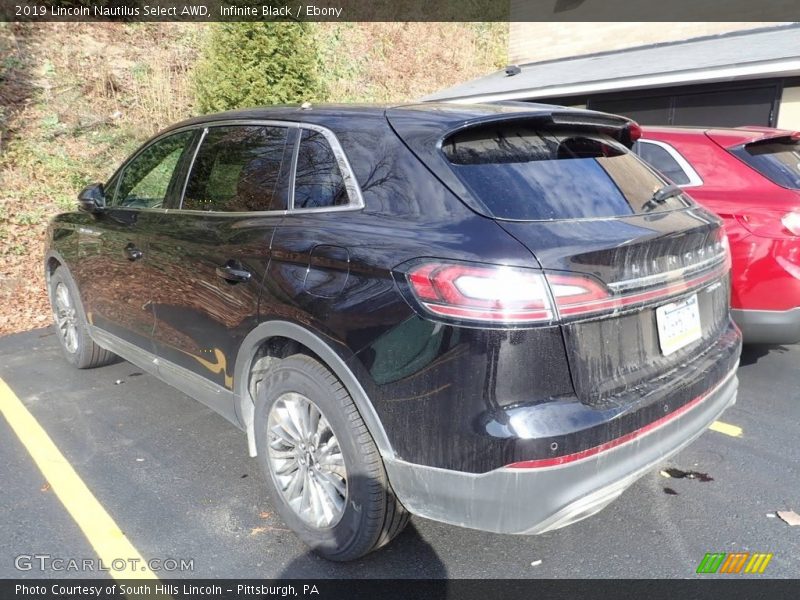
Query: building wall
x=534 y=42
x=789 y=112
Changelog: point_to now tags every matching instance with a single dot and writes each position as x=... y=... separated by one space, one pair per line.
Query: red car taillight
x=634 y=131
x=772 y=224
x=503 y=294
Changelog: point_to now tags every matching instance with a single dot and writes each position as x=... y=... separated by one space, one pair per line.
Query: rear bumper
x=535 y=500
x=768 y=326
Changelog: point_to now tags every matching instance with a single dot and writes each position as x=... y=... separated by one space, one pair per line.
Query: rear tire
x=324 y=473
x=71 y=326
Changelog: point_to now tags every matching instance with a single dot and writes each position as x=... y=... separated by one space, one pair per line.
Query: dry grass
x=75 y=99
x=397 y=62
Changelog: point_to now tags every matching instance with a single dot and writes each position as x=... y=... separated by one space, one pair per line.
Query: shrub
x=255 y=64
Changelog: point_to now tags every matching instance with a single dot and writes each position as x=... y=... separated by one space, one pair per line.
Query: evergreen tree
x=256 y=64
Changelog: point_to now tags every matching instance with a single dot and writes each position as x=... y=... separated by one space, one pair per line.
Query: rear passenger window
x=239 y=169
x=319 y=182
x=662 y=161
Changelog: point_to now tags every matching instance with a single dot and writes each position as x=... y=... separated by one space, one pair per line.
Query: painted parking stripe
x=726 y=428
x=97 y=525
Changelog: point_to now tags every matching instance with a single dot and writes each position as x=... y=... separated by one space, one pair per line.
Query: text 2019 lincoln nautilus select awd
x=494 y=316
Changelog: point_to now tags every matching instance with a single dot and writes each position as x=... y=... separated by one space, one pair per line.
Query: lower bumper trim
x=768 y=326
x=530 y=501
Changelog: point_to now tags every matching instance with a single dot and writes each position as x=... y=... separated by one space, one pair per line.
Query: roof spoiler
x=782 y=138
x=622 y=129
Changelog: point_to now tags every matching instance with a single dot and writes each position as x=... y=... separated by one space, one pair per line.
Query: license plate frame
x=678 y=324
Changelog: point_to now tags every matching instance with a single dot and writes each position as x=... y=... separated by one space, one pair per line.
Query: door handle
x=233 y=272
x=133 y=253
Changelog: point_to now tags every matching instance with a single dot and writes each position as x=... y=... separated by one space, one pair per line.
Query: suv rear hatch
x=647 y=269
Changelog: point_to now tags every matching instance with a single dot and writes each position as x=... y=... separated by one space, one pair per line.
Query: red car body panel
x=766 y=260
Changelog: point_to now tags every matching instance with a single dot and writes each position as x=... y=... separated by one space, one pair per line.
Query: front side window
x=238 y=168
x=144 y=182
x=318 y=182
x=662 y=161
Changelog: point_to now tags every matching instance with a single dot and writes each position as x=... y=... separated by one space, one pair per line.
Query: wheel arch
x=249 y=352
x=53 y=260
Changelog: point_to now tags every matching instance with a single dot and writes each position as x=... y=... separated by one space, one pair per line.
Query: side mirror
x=92 y=198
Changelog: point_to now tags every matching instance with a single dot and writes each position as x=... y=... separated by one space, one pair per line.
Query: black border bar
x=727 y=587
x=770 y=11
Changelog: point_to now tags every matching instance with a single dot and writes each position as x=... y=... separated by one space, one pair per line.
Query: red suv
x=750 y=177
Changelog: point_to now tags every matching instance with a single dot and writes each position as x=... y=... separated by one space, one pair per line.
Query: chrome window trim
x=139 y=209
x=356 y=200
x=293 y=170
x=350 y=182
x=694 y=178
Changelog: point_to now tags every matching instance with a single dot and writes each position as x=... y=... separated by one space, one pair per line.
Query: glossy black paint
x=92 y=198
x=201 y=318
x=448 y=395
x=114 y=284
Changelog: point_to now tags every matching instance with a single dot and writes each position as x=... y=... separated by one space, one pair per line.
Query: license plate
x=678 y=324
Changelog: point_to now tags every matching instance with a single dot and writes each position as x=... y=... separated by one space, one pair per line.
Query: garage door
x=726 y=108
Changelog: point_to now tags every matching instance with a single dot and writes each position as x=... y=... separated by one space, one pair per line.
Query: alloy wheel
x=66 y=317
x=306 y=460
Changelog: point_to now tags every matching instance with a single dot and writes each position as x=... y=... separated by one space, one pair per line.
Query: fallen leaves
x=266 y=528
x=265 y=514
x=674 y=473
x=789 y=517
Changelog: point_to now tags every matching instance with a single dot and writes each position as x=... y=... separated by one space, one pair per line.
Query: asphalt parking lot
x=176 y=478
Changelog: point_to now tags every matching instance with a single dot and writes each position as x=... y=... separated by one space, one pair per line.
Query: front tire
x=324 y=474
x=70 y=323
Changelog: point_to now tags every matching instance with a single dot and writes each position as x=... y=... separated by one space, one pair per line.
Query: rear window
x=523 y=173
x=777 y=160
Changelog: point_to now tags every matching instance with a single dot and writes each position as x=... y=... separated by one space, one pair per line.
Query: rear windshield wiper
x=661 y=195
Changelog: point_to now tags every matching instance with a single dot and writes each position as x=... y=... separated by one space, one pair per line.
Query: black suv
x=494 y=316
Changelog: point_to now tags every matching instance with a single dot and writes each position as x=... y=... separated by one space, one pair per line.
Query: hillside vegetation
x=75 y=99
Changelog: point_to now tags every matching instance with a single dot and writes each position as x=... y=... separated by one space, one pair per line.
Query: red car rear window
x=778 y=160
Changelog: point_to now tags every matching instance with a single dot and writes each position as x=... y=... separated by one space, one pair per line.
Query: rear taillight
x=498 y=294
x=511 y=295
x=504 y=294
x=771 y=224
x=577 y=295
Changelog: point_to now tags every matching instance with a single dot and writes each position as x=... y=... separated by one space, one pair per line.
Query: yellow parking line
x=97 y=525
x=727 y=429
